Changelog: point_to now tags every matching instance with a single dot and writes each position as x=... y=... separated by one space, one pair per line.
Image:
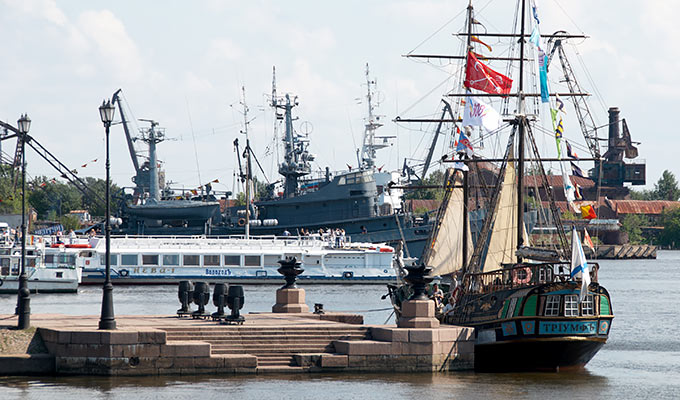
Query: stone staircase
x=274 y=347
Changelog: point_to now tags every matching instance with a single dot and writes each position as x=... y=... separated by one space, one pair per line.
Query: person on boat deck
x=363 y=229
x=71 y=236
x=438 y=296
x=448 y=308
x=286 y=233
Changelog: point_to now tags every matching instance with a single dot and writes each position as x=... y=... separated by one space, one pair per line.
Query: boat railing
x=522 y=275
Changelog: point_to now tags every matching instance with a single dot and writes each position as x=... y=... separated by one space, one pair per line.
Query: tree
x=436 y=178
x=631 y=224
x=10 y=200
x=642 y=194
x=47 y=194
x=670 y=220
x=667 y=187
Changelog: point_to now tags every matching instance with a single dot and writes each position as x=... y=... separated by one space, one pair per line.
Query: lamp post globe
x=24 y=294
x=107 y=320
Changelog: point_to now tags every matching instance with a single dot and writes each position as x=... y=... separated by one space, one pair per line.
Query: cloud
x=114 y=45
x=46 y=9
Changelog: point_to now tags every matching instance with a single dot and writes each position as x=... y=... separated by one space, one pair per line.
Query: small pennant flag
x=576 y=170
x=560 y=104
x=559 y=130
x=587 y=240
x=477 y=40
x=89 y=162
x=464 y=145
x=215 y=181
x=570 y=153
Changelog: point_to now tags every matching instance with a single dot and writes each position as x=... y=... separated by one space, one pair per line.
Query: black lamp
x=24 y=300
x=107 y=319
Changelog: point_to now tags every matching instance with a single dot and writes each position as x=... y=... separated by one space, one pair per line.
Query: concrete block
x=363 y=347
x=140 y=350
x=48 y=335
x=290 y=308
x=238 y=360
x=185 y=349
x=417 y=308
x=396 y=348
x=154 y=336
x=423 y=335
x=63 y=337
x=449 y=333
x=87 y=350
x=356 y=361
x=69 y=364
x=467 y=347
x=27 y=364
x=290 y=296
x=118 y=337
x=445 y=348
x=417 y=349
x=85 y=337
x=216 y=363
x=334 y=361
x=183 y=362
x=389 y=334
x=418 y=322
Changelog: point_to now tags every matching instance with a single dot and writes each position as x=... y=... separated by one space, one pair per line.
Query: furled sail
x=445 y=253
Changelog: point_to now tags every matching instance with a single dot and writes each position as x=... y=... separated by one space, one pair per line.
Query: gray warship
x=358 y=201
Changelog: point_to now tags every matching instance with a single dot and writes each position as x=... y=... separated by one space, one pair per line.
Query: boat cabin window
x=232 y=260
x=114 y=259
x=170 y=259
x=5 y=252
x=4 y=270
x=587 y=307
x=150 y=259
x=211 y=260
x=552 y=306
x=251 y=261
x=49 y=258
x=571 y=305
x=192 y=259
x=271 y=260
x=129 y=259
x=30 y=262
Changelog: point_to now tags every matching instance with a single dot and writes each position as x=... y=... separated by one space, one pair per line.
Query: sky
x=184 y=64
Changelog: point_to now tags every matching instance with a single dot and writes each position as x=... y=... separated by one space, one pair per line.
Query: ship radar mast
x=296 y=159
x=152 y=136
x=369 y=147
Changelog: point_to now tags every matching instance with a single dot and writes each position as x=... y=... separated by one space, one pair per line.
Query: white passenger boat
x=150 y=260
x=47 y=270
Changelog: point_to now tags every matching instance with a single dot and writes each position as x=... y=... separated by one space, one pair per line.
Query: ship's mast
x=369 y=147
x=296 y=161
x=246 y=153
x=153 y=136
x=521 y=120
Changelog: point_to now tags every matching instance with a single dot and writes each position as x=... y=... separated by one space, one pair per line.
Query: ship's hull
x=44 y=280
x=536 y=354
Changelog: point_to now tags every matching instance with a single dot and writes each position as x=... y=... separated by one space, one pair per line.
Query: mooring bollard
x=201 y=298
x=235 y=300
x=184 y=294
x=219 y=300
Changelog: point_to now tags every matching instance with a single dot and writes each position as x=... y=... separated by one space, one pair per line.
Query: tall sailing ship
x=533 y=308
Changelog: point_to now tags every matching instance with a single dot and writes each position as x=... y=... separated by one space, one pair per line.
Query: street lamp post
x=24 y=301
x=107 y=320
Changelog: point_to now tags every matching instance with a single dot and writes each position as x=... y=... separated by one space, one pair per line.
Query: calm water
x=640 y=360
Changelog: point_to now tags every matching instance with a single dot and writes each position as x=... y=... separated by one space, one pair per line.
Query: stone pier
x=265 y=343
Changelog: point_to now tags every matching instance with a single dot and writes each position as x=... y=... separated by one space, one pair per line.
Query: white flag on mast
x=579 y=265
x=478 y=113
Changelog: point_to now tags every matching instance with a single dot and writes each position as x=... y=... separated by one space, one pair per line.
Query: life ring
x=2 y=282
x=124 y=272
x=241 y=222
x=78 y=246
x=521 y=281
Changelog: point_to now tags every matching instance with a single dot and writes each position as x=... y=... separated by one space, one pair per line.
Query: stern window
x=587 y=307
x=552 y=306
x=571 y=305
x=192 y=259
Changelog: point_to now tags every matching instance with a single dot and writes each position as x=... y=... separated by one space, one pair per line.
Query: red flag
x=479 y=76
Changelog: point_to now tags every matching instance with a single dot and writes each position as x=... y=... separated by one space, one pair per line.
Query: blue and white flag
x=579 y=265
